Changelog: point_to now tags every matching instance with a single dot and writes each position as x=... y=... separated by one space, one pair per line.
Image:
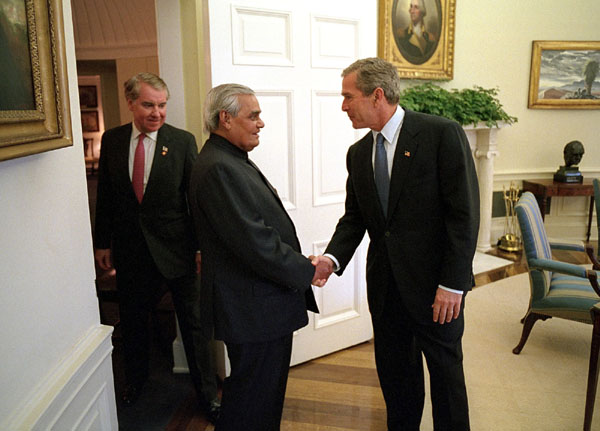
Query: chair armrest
x=567 y=246
x=566 y=268
x=590 y=252
x=556 y=266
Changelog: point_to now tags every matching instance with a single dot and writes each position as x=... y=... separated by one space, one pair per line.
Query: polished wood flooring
x=341 y=391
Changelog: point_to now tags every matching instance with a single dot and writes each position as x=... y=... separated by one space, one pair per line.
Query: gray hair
x=223 y=97
x=421 y=4
x=374 y=72
x=133 y=84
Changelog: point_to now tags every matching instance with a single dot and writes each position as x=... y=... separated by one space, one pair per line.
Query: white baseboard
x=78 y=394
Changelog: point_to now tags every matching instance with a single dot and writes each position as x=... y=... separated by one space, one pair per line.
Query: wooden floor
x=341 y=391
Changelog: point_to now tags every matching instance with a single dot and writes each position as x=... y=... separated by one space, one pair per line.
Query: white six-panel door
x=292 y=53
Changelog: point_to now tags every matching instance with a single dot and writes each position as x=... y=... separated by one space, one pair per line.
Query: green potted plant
x=467 y=106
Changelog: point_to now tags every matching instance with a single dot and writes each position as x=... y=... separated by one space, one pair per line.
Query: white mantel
x=482 y=140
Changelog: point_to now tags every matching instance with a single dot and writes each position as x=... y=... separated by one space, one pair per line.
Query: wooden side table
x=543 y=189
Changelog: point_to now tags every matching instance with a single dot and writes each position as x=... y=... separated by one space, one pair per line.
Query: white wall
x=47 y=295
x=493 y=49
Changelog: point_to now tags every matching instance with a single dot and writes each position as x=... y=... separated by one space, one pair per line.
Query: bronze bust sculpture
x=569 y=173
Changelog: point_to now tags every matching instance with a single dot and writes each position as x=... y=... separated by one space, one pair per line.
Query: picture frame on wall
x=88 y=96
x=565 y=75
x=89 y=121
x=417 y=36
x=34 y=113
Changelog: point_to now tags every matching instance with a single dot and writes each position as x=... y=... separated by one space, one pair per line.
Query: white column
x=482 y=140
x=170 y=59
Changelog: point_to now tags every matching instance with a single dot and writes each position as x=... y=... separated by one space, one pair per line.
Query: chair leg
x=593 y=372
x=530 y=320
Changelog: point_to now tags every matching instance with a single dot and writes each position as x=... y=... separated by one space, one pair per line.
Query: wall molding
x=77 y=394
x=250 y=47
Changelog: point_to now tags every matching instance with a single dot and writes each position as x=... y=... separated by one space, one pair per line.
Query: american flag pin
x=406 y=153
x=165 y=150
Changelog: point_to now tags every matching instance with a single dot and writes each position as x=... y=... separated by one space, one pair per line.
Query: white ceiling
x=109 y=29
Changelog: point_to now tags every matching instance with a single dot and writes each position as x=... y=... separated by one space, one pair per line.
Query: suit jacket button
x=387 y=233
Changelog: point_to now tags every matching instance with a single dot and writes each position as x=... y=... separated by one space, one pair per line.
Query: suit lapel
x=158 y=161
x=121 y=159
x=406 y=150
x=273 y=190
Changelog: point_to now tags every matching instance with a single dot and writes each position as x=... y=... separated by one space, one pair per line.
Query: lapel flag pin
x=406 y=153
x=165 y=150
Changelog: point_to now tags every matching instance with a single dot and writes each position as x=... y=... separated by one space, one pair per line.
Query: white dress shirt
x=149 y=147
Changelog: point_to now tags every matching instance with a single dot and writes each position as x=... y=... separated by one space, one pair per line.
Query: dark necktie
x=137 y=177
x=382 y=177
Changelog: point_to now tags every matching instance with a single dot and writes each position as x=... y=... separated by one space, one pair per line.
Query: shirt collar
x=392 y=126
x=135 y=133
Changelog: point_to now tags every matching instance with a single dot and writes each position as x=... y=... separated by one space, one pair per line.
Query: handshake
x=323 y=269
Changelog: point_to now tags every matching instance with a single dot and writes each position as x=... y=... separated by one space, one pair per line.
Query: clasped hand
x=323 y=269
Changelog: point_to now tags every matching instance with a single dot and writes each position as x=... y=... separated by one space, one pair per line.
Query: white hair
x=223 y=97
x=421 y=4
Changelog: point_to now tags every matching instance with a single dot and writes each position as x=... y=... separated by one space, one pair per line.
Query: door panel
x=292 y=53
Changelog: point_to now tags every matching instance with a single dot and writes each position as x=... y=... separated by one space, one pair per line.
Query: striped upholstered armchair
x=595 y=258
x=558 y=289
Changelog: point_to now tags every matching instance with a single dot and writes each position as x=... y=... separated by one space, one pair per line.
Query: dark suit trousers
x=400 y=344
x=141 y=286
x=253 y=394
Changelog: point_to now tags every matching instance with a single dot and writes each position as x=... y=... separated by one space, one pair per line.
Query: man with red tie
x=143 y=227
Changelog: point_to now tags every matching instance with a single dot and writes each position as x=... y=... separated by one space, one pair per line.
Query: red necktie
x=137 y=178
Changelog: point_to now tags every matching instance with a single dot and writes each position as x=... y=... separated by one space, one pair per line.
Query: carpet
x=484 y=262
x=544 y=387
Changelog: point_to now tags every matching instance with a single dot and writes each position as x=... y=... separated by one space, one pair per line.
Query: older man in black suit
x=143 y=227
x=256 y=284
x=412 y=186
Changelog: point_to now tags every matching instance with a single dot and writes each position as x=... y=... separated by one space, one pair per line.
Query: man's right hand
x=103 y=258
x=323 y=269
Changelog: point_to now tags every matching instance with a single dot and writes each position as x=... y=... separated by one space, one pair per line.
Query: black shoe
x=131 y=394
x=212 y=410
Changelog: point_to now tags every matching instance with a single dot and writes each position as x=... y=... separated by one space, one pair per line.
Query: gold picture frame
x=554 y=82
x=426 y=56
x=36 y=118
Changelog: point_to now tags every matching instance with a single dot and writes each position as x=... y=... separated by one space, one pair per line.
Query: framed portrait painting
x=417 y=36
x=565 y=75
x=34 y=99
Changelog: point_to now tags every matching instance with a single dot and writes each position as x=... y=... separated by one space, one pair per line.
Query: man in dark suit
x=256 y=285
x=143 y=226
x=415 y=192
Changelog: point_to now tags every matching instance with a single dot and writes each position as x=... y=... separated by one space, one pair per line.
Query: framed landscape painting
x=565 y=75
